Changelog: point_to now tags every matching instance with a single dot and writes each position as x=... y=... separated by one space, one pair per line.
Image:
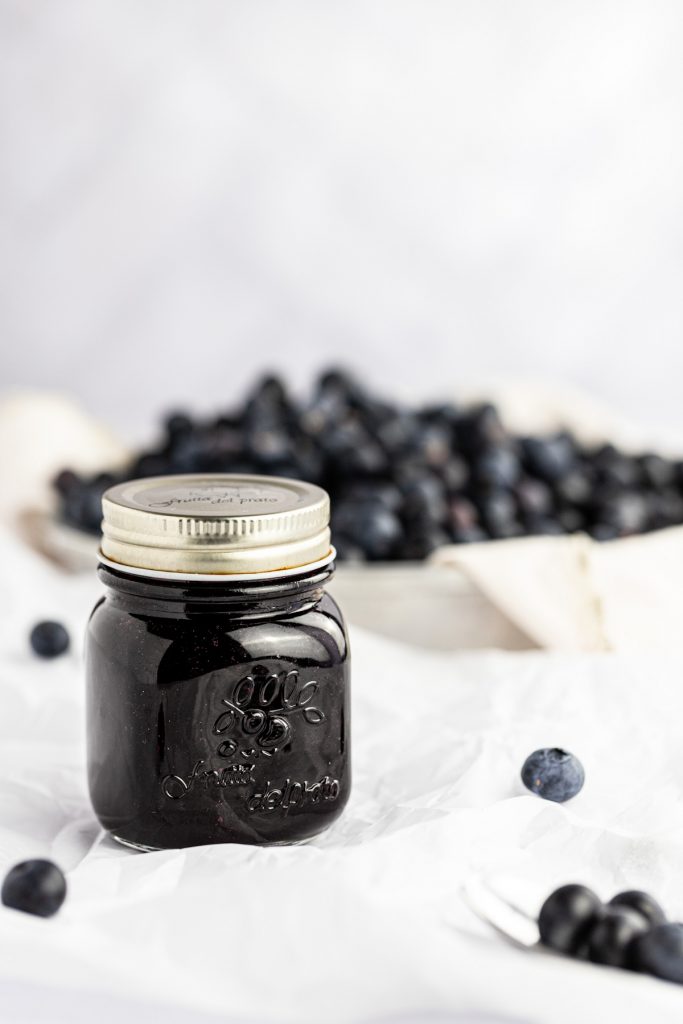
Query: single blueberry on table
x=612 y=933
x=35 y=887
x=567 y=917
x=645 y=904
x=49 y=639
x=660 y=952
x=553 y=774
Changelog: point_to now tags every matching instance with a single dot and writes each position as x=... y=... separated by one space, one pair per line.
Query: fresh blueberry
x=445 y=413
x=498 y=511
x=645 y=904
x=269 y=390
x=49 y=639
x=469 y=535
x=534 y=498
x=420 y=542
x=506 y=531
x=665 y=508
x=553 y=774
x=82 y=506
x=480 y=428
x=550 y=458
x=455 y=474
x=337 y=378
x=34 y=886
x=463 y=514
x=626 y=512
x=66 y=482
x=611 y=935
x=432 y=445
x=497 y=467
x=371 y=526
x=658 y=472
x=383 y=491
x=395 y=434
x=603 y=531
x=571 y=520
x=150 y=464
x=347 y=551
x=352 y=452
x=576 y=488
x=191 y=453
x=544 y=526
x=268 y=446
x=567 y=917
x=424 y=500
x=618 y=471
x=659 y=952
x=177 y=424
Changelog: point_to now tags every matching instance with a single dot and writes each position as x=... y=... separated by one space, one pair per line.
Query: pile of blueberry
x=631 y=931
x=405 y=481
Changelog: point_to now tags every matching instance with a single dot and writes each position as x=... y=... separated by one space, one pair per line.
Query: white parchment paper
x=368 y=922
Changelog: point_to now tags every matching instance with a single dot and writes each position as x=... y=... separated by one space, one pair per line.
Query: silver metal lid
x=215 y=523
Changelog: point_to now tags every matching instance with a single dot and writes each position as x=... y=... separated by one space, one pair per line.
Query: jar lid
x=215 y=523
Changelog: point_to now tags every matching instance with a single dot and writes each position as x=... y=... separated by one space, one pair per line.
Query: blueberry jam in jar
x=217 y=665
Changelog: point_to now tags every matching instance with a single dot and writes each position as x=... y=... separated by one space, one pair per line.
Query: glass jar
x=217 y=665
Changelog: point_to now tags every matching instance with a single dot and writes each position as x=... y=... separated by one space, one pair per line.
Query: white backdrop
x=434 y=192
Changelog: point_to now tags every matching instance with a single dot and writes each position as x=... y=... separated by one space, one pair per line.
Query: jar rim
x=217 y=577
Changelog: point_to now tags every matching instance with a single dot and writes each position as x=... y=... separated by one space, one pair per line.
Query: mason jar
x=217 y=665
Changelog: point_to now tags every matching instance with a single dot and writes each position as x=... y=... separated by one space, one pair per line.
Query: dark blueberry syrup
x=217 y=712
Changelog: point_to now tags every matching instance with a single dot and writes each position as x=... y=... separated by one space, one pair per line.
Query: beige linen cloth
x=573 y=594
x=564 y=593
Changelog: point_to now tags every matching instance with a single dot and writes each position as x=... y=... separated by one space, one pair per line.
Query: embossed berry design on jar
x=217 y=665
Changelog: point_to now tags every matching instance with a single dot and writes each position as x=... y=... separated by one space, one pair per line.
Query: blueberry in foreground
x=643 y=903
x=612 y=933
x=49 y=639
x=553 y=774
x=34 y=886
x=659 y=952
x=567 y=917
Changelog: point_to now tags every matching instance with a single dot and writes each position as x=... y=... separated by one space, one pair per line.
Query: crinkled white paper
x=368 y=921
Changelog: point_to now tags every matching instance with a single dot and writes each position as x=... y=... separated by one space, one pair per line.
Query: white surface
x=435 y=191
x=369 y=920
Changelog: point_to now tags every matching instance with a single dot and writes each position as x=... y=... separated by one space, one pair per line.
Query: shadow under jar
x=217 y=665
